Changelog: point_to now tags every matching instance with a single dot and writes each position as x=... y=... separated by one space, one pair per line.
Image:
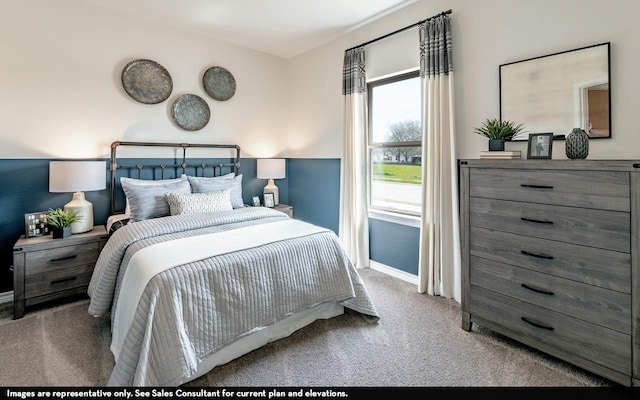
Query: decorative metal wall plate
x=147 y=81
x=190 y=112
x=219 y=83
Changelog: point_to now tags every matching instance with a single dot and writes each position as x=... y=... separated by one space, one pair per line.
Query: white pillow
x=144 y=182
x=194 y=203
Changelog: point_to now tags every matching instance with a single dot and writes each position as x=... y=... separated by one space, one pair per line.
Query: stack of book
x=501 y=155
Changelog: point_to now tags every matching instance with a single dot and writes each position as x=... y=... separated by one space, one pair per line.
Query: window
x=395 y=144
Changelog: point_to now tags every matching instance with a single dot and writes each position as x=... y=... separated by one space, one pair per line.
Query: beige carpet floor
x=417 y=343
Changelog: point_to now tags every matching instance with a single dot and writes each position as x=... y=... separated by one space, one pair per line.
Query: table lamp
x=271 y=168
x=78 y=177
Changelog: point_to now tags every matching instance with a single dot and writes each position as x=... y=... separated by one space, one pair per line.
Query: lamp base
x=84 y=209
x=272 y=188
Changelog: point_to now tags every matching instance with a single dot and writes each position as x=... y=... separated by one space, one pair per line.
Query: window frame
x=377 y=212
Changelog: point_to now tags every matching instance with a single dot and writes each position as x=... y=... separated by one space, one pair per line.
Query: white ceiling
x=284 y=28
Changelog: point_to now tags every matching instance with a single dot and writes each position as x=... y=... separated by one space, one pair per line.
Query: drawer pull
x=65 y=280
x=64 y=258
x=537 y=186
x=537 y=324
x=537 y=290
x=537 y=221
x=545 y=256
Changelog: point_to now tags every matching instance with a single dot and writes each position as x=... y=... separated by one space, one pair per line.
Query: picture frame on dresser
x=269 y=200
x=540 y=146
x=35 y=224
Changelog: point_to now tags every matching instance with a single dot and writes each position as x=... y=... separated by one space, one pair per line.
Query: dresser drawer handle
x=537 y=221
x=537 y=290
x=537 y=324
x=64 y=258
x=65 y=280
x=545 y=256
x=537 y=186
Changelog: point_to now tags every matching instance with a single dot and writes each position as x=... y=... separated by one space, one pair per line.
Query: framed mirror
x=559 y=92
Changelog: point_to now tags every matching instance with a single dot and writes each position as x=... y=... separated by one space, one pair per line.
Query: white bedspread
x=201 y=283
x=152 y=260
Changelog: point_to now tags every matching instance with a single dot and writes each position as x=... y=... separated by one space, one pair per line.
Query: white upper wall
x=61 y=93
x=61 y=62
x=486 y=33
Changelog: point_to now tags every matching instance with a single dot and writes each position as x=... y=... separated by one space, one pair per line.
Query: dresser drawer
x=589 y=189
x=604 y=346
x=57 y=280
x=62 y=257
x=596 y=228
x=604 y=268
x=589 y=303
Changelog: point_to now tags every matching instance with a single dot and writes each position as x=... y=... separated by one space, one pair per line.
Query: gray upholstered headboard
x=217 y=168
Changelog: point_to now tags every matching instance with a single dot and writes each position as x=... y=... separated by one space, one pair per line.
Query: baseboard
x=6 y=297
x=396 y=273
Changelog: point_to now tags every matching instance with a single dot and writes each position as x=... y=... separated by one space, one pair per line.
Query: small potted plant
x=60 y=221
x=498 y=131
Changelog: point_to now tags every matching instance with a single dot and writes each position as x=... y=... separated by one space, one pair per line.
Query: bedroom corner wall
x=486 y=34
x=61 y=97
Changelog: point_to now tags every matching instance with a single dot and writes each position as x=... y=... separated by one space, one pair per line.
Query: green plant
x=496 y=129
x=60 y=218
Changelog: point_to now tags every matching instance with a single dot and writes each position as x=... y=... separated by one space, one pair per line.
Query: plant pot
x=496 y=144
x=61 y=233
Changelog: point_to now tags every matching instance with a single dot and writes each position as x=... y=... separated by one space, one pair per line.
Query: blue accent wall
x=312 y=187
x=394 y=245
x=24 y=188
x=314 y=190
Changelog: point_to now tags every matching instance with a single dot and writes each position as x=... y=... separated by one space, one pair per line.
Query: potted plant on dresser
x=60 y=221
x=497 y=132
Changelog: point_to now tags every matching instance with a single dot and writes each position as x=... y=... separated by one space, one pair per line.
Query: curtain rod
x=399 y=30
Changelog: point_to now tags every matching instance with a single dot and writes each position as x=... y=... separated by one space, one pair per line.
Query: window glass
x=395 y=145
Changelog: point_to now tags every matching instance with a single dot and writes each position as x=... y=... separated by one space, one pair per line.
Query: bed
x=193 y=278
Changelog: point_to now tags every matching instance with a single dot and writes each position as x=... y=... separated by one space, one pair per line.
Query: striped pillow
x=194 y=203
x=204 y=185
x=148 y=201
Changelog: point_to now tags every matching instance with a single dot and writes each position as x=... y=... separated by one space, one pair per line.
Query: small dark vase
x=61 y=233
x=496 y=144
x=577 y=144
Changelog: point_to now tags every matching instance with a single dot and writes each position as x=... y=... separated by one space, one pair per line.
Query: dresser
x=46 y=269
x=550 y=254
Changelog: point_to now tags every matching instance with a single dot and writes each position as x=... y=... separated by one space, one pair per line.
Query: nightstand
x=46 y=269
x=285 y=208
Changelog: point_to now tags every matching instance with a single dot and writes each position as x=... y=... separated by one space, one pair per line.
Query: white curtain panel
x=439 y=262
x=354 y=223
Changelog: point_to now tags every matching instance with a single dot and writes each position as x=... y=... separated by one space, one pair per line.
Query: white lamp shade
x=271 y=168
x=77 y=176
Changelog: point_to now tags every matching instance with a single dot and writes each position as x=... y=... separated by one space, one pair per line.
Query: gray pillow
x=206 y=185
x=148 y=201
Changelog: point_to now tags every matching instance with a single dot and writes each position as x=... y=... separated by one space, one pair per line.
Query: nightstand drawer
x=63 y=257
x=56 y=280
x=46 y=269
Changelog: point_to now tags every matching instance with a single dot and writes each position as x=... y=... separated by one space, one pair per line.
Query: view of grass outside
x=400 y=173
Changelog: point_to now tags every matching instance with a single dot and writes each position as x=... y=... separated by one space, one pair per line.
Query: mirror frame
x=528 y=63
